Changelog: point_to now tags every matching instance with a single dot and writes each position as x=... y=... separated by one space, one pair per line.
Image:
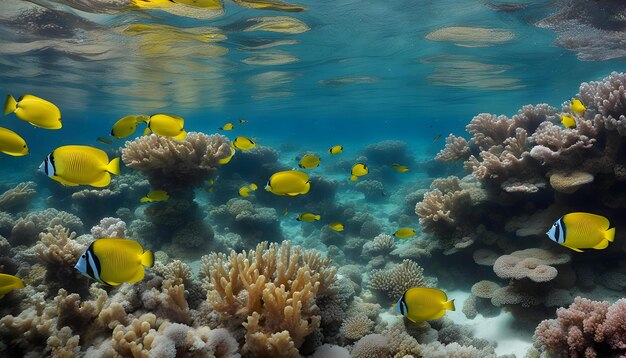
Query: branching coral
x=587 y=328
x=456 y=149
x=393 y=282
x=18 y=198
x=272 y=291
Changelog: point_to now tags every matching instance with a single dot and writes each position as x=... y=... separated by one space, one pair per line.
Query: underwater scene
x=324 y=179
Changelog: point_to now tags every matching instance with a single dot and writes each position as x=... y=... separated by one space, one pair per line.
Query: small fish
x=582 y=231
x=155 y=196
x=437 y=137
x=245 y=191
x=211 y=181
x=243 y=143
x=289 y=182
x=227 y=127
x=336 y=226
x=114 y=261
x=104 y=140
x=8 y=283
x=126 y=126
x=404 y=233
x=227 y=159
x=308 y=217
x=74 y=165
x=337 y=149
x=568 y=121
x=12 y=144
x=577 y=106
x=400 y=168
x=242 y=121
x=210 y=190
x=34 y=110
x=309 y=161
x=166 y=125
x=420 y=304
x=358 y=170
x=285 y=212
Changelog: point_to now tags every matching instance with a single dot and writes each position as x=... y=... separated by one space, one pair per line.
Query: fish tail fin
x=114 y=166
x=144 y=200
x=182 y=135
x=147 y=131
x=142 y=119
x=10 y=105
x=610 y=234
x=317 y=217
x=354 y=178
x=19 y=284
x=147 y=259
x=449 y=305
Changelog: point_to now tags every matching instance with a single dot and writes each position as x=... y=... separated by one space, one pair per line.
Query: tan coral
x=456 y=149
x=393 y=282
x=18 y=198
x=569 y=182
x=135 y=340
x=484 y=289
x=357 y=326
x=59 y=247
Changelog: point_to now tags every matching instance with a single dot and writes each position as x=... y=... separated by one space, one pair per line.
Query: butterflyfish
x=400 y=168
x=243 y=143
x=155 y=196
x=8 y=283
x=34 y=110
x=166 y=125
x=289 y=182
x=309 y=161
x=577 y=106
x=568 y=121
x=103 y=140
x=336 y=226
x=246 y=190
x=336 y=149
x=12 y=144
x=420 y=304
x=227 y=159
x=358 y=170
x=115 y=261
x=227 y=127
x=126 y=126
x=308 y=217
x=579 y=231
x=74 y=165
x=404 y=233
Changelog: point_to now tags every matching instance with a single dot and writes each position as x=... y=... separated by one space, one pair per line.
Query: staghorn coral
x=109 y=227
x=272 y=291
x=586 y=328
x=172 y=164
x=456 y=149
x=17 y=198
x=392 y=283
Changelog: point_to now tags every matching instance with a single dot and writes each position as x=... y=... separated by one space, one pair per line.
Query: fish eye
x=24 y=146
x=84 y=256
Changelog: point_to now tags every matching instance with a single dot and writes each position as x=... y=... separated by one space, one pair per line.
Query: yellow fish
x=227 y=127
x=34 y=110
x=115 y=261
x=309 y=161
x=12 y=144
x=243 y=143
x=400 y=168
x=155 y=196
x=8 y=283
x=227 y=159
x=289 y=182
x=404 y=233
x=582 y=231
x=578 y=107
x=358 y=170
x=126 y=126
x=245 y=191
x=210 y=190
x=568 y=121
x=308 y=217
x=337 y=149
x=420 y=304
x=336 y=226
x=166 y=125
x=74 y=165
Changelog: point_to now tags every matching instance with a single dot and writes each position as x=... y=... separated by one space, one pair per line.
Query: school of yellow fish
x=114 y=261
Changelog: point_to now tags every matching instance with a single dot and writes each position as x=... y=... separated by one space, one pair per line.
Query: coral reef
x=390 y=284
x=17 y=198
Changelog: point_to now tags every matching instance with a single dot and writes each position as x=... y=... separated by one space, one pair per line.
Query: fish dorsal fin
x=100 y=155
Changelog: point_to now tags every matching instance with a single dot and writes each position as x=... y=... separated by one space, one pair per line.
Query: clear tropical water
x=344 y=72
